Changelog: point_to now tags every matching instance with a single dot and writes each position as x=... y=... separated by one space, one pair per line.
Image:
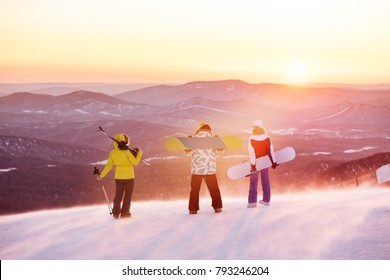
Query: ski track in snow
x=346 y=224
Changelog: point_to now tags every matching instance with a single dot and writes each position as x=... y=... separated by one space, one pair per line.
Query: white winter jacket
x=203 y=160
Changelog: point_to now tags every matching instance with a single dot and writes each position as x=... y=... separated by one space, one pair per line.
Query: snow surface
x=7 y=169
x=359 y=150
x=81 y=111
x=321 y=153
x=346 y=224
x=288 y=131
x=31 y=111
x=109 y=114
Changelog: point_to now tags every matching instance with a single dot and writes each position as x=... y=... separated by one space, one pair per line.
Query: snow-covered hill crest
x=349 y=224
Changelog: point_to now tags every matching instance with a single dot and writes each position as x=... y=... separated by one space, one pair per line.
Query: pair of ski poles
x=96 y=170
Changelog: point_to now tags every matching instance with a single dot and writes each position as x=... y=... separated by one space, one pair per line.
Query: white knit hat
x=258 y=123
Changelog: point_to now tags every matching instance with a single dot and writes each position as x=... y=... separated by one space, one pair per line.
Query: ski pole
x=133 y=151
x=106 y=196
x=97 y=172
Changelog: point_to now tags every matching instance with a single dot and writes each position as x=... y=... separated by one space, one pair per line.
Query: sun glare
x=297 y=73
x=297 y=70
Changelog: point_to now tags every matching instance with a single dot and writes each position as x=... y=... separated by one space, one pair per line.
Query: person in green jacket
x=124 y=162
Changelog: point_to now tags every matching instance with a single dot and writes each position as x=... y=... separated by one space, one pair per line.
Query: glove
x=274 y=165
x=253 y=167
x=98 y=178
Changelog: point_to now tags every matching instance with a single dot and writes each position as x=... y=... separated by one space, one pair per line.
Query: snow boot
x=218 y=210
x=126 y=215
x=264 y=203
x=193 y=212
x=252 y=205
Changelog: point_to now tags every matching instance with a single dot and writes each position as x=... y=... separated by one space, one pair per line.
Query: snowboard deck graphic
x=383 y=174
x=193 y=143
x=243 y=169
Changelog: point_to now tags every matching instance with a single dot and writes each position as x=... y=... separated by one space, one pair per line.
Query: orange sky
x=173 y=41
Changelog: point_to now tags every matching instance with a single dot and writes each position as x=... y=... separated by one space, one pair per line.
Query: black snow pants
x=124 y=191
x=212 y=185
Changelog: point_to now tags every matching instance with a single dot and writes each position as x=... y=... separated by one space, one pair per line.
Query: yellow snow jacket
x=123 y=160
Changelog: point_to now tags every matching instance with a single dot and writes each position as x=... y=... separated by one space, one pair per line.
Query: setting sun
x=297 y=70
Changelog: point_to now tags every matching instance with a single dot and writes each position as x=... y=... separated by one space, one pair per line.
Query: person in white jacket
x=203 y=166
x=259 y=145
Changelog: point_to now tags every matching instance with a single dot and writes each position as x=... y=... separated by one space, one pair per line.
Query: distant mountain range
x=22 y=147
x=328 y=127
x=75 y=105
x=275 y=95
x=63 y=88
x=229 y=106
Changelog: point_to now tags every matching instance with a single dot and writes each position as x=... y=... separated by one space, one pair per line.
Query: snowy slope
x=348 y=224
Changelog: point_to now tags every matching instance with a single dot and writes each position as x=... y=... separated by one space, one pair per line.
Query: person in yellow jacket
x=124 y=162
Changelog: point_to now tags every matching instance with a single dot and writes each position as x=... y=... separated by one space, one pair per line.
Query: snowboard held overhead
x=193 y=143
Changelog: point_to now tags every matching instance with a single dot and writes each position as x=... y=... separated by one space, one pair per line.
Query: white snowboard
x=383 y=174
x=243 y=169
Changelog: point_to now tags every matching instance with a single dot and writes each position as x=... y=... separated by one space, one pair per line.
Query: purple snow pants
x=254 y=178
